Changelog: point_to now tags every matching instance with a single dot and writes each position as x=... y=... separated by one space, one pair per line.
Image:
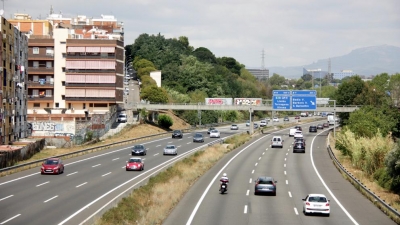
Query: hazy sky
x=291 y=32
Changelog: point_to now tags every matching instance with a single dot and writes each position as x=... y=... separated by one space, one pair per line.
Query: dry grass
x=152 y=203
x=387 y=196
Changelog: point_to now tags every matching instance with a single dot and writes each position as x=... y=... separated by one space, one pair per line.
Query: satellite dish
x=1 y=12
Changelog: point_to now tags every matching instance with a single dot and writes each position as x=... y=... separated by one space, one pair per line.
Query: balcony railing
x=92 y=99
x=41 y=84
x=40 y=98
x=41 y=69
x=40 y=56
x=90 y=85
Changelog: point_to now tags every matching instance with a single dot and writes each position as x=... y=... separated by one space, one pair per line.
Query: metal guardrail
x=371 y=195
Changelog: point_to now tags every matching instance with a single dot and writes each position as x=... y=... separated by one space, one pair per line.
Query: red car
x=135 y=164
x=52 y=166
x=297 y=117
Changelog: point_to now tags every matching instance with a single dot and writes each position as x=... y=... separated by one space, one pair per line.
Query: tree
x=197 y=96
x=307 y=77
x=394 y=88
x=148 y=81
x=230 y=63
x=165 y=121
x=205 y=55
x=154 y=94
x=141 y=72
x=349 y=90
x=381 y=82
x=139 y=63
x=277 y=79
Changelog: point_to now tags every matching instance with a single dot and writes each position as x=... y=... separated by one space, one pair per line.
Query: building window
x=64 y=55
x=63 y=97
x=63 y=69
x=35 y=64
x=36 y=105
x=48 y=105
x=49 y=51
x=84 y=105
x=69 y=106
x=49 y=64
x=57 y=104
x=63 y=42
x=63 y=83
x=35 y=50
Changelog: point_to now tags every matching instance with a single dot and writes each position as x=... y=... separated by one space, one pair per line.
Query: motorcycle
x=224 y=186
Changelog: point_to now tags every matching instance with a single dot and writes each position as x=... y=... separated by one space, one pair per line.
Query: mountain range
x=366 y=62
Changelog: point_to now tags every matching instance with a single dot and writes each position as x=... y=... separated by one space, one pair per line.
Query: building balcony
x=40 y=56
x=90 y=84
x=90 y=56
x=41 y=70
x=92 y=99
x=40 y=84
x=90 y=70
x=42 y=98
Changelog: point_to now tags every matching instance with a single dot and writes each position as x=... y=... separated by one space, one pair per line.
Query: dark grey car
x=265 y=185
x=139 y=150
x=198 y=137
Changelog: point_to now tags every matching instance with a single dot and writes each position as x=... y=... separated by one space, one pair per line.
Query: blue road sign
x=281 y=102
x=304 y=102
x=304 y=92
x=281 y=92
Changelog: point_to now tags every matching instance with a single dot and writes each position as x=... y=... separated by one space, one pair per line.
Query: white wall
x=60 y=35
x=156 y=75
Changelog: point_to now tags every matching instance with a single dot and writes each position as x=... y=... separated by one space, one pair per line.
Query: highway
x=88 y=184
x=298 y=174
x=92 y=183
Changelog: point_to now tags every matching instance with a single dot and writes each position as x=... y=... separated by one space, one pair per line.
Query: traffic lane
x=360 y=208
x=302 y=180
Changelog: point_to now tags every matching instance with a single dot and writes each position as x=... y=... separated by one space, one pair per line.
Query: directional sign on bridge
x=304 y=103
x=281 y=102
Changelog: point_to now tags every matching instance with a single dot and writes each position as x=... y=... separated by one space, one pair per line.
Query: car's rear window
x=265 y=182
x=51 y=162
x=134 y=160
x=317 y=199
x=138 y=147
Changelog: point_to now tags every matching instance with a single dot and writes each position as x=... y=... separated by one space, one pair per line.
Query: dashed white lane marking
x=287 y=153
x=170 y=142
x=250 y=180
x=51 y=199
x=245 y=209
x=115 y=159
x=189 y=143
x=130 y=154
x=263 y=153
x=105 y=174
x=284 y=172
x=247 y=193
x=287 y=182
x=96 y=165
x=72 y=173
x=178 y=146
x=81 y=184
x=123 y=167
x=158 y=145
x=295 y=211
x=156 y=154
x=284 y=165
x=256 y=164
x=285 y=159
x=266 y=149
x=290 y=194
x=252 y=171
x=259 y=158
x=6 y=197
x=5 y=221
x=42 y=184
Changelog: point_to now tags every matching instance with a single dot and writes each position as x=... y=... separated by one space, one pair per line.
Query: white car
x=234 y=127
x=277 y=141
x=316 y=203
x=247 y=123
x=275 y=119
x=122 y=118
x=298 y=134
x=215 y=134
x=126 y=82
x=263 y=123
x=170 y=150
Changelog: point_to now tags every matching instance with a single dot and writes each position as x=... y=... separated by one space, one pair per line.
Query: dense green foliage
x=165 y=121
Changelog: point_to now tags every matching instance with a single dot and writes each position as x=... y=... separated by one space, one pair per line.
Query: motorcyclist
x=224 y=179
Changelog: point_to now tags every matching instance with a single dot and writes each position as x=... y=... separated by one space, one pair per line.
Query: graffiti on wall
x=43 y=126
x=57 y=127
x=248 y=101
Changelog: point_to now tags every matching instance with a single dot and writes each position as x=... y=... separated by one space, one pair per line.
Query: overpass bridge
x=263 y=107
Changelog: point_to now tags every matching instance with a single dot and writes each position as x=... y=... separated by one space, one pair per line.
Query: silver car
x=170 y=150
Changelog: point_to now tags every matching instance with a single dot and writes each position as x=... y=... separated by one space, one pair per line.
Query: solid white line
x=105 y=174
x=252 y=171
x=287 y=182
x=250 y=180
x=256 y=164
x=245 y=209
x=290 y=194
x=284 y=172
x=156 y=154
x=51 y=199
x=42 y=184
x=5 y=221
x=6 y=197
x=259 y=158
x=115 y=159
x=295 y=211
x=96 y=165
x=72 y=173
x=247 y=193
x=326 y=186
x=81 y=184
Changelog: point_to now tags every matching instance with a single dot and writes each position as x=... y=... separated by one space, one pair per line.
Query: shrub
x=165 y=121
x=392 y=163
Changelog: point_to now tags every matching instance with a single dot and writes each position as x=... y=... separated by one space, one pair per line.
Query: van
x=331 y=120
x=277 y=141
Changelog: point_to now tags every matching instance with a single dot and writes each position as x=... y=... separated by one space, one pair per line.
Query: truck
x=304 y=114
x=331 y=120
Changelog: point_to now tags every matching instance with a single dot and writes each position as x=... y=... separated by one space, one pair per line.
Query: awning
x=92 y=78
x=92 y=49
x=75 y=65
x=92 y=93
x=108 y=49
x=107 y=79
x=74 y=92
x=75 y=49
x=94 y=65
x=75 y=78
x=107 y=93
x=107 y=65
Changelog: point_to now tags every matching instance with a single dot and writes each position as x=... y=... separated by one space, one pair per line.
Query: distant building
x=342 y=74
x=316 y=73
x=260 y=74
x=156 y=75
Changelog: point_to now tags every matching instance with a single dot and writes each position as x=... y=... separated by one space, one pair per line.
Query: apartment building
x=13 y=91
x=75 y=66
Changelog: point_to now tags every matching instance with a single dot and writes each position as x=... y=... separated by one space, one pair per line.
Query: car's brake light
x=307 y=203
x=327 y=204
